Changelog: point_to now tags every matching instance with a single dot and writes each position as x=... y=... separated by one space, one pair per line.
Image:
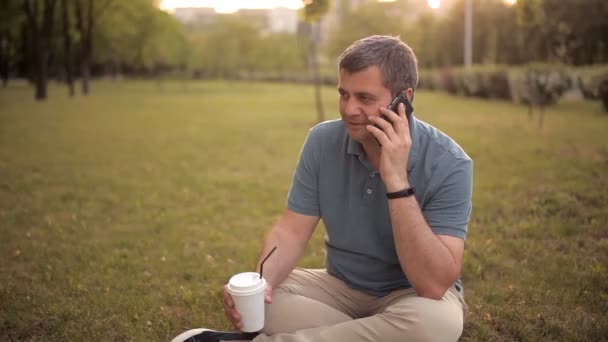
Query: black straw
x=266 y=258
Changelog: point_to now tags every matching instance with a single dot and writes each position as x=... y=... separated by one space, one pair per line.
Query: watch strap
x=407 y=192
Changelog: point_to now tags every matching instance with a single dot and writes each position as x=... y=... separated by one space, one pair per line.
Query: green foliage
x=314 y=10
x=438 y=40
x=368 y=20
x=593 y=82
x=11 y=20
x=530 y=13
x=233 y=48
x=139 y=34
x=539 y=84
x=11 y=16
x=123 y=213
x=569 y=32
x=485 y=81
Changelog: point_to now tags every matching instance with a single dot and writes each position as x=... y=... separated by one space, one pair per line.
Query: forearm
x=284 y=259
x=425 y=259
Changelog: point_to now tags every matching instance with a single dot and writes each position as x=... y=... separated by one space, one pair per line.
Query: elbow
x=433 y=291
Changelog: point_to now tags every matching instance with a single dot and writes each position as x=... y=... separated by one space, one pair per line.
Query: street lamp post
x=468 y=33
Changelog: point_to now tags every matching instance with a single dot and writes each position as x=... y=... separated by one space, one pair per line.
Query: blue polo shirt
x=334 y=180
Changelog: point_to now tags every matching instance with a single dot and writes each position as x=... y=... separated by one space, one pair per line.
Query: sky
x=227 y=6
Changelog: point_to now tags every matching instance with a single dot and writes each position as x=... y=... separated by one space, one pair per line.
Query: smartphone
x=400 y=98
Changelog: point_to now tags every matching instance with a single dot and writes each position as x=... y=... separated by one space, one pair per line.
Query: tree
x=227 y=47
x=161 y=40
x=419 y=34
x=11 y=19
x=67 y=47
x=311 y=13
x=367 y=20
x=578 y=30
x=282 y=54
x=116 y=34
x=87 y=14
x=40 y=23
x=140 y=36
x=534 y=32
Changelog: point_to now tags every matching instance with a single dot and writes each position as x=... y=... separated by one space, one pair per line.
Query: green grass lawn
x=122 y=214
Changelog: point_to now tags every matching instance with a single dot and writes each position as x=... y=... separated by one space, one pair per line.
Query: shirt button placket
x=368 y=190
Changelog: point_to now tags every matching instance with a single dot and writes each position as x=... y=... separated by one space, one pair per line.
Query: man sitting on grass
x=395 y=197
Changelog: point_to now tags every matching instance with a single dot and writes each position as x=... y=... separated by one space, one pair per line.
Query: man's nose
x=351 y=107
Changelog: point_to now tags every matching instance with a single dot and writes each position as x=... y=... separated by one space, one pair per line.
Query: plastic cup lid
x=246 y=282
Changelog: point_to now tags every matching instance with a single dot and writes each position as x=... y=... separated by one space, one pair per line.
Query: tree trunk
x=40 y=57
x=41 y=36
x=158 y=75
x=85 y=27
x=40 y=78
x=603 y=94
x=4 y=67
x=5 y=56
x=67 y=47
x=314 y=63
x=25 y=48
x=5 y=74
x=85 y=73
x=88 y=57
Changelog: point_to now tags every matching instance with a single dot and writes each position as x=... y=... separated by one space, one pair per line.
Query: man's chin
x=359 y=135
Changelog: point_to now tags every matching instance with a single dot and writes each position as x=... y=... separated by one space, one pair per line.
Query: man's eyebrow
x=358 y=94
x=365 y=94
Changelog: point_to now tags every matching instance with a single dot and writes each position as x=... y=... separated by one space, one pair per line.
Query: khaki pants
x=311 y=305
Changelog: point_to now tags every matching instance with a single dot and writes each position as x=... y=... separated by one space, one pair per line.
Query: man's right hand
x=233 y=315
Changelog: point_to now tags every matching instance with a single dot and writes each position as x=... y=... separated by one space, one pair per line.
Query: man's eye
x=366 y=99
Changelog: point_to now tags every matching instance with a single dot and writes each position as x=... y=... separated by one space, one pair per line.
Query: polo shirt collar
x=356 y=149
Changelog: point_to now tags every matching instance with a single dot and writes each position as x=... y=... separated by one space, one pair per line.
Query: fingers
x=396 y=118
x=379 y=134
x=384 y=127
x=230 y=310
x=403 y=115
x=268 y=296
x=396 y=122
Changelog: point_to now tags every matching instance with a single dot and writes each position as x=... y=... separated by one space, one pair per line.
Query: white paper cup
x=248 y=292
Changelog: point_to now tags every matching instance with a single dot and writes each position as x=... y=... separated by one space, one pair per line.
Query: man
x=395 y=197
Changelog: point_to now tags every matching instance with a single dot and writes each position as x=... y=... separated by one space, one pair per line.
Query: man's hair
x=395 y=59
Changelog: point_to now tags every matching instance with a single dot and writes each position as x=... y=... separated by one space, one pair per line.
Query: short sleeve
x=449 y=209
x=303 y=197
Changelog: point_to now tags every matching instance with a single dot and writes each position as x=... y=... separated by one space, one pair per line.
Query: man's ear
x=409 y=92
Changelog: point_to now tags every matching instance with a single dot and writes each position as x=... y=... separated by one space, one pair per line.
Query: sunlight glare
x=434 y=4
x=224 y=6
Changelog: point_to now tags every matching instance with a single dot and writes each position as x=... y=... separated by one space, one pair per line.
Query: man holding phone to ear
x=395 y=196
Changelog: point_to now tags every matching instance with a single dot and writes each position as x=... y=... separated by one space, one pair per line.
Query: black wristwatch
x=407 y=192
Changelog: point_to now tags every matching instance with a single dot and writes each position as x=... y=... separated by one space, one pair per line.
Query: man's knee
x=274 y=313
x=435 y=321
x=291 y=312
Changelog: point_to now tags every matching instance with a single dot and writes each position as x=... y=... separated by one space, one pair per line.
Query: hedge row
x=537 y=84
